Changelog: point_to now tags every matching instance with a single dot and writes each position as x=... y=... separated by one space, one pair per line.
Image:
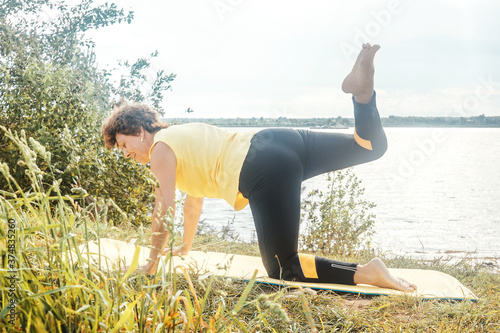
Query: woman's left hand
x=149 y=268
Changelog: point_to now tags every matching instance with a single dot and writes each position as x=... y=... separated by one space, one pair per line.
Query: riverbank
x=330 y=311
x=54 y=291
x=292 y=310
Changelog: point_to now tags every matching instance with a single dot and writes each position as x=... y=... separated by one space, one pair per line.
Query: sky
x=256 y=58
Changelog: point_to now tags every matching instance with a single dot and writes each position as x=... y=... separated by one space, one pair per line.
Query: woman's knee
x=288 y=269
x=380 y=148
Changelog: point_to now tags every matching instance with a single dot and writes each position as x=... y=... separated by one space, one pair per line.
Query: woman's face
x=134 y=146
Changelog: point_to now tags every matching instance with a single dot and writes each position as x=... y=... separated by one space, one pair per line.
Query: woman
x=263 y=169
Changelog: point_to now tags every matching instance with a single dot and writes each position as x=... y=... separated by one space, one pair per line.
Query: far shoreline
x=344 y=123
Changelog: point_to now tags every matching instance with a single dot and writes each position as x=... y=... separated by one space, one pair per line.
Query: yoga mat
x=430 y=284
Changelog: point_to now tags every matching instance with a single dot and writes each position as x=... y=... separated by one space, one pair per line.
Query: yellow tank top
x=209 y=160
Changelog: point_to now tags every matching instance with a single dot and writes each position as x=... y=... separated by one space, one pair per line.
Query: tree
x=52 y=89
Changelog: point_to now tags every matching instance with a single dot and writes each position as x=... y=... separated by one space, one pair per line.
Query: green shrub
x=52 y=89
x=337 y=221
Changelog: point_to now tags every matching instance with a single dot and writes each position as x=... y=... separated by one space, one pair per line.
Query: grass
x=56 y=295
x=55 y=289
x=353 y=313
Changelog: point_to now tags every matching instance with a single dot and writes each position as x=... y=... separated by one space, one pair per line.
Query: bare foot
x=376 y=274
x=359 y=81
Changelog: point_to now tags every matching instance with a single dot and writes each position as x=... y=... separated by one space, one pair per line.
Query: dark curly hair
x=128 y=119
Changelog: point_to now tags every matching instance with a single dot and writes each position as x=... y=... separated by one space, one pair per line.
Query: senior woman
x=263 y=169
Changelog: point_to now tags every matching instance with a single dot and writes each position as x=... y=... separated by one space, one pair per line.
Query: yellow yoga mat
x=430 y=284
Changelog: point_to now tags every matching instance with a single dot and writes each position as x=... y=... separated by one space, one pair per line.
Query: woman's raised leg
x=334 y=151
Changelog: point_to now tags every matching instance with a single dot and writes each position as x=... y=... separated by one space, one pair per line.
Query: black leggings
x=271 y=178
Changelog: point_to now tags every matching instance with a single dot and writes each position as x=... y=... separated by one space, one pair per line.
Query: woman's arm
x=163 y=166
x=192 y=212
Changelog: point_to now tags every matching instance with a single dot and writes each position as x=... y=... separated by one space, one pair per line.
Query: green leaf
x=243 y=297
x=133 y=266
x=126 y=316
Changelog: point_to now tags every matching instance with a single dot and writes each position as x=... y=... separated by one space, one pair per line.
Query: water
x=437 y=192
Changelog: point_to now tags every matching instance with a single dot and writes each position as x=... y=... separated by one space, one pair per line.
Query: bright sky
x=287 y=58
